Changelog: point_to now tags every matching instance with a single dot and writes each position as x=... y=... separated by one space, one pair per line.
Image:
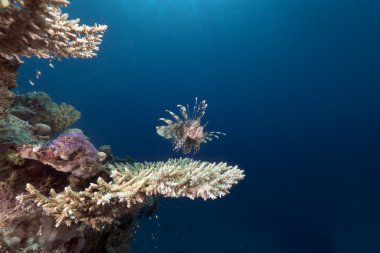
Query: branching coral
x=38 y=28
x=132 y=186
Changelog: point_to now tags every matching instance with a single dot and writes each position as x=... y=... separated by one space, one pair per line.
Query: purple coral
x=69 y=144
x=69 y=152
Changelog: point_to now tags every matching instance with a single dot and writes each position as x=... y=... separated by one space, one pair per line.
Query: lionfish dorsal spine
x=167 y=121
x=199 y=110
x=194 y=109
x=183 y=111
x=202 y=109
x=175 y=116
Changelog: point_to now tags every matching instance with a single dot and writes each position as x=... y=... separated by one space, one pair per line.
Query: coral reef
x=187 y=133
x=27 y=229
x=39 y=28
x=62 y=194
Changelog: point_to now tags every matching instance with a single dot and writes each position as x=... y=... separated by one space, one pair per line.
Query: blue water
x=295 y=84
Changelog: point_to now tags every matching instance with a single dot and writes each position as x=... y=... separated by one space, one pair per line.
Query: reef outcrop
x=37 y=108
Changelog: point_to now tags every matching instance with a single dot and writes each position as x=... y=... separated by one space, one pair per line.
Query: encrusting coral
x=70 y=152
x=132 y=186
x=38 y=28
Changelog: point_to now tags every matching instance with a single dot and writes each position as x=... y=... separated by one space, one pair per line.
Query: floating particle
x=38 y=73
x=31 y=82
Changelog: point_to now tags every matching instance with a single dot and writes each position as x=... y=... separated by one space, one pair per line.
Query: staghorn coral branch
x=38 y=28
x=132 y=186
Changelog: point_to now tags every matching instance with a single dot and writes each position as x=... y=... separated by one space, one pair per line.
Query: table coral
x=133 y=185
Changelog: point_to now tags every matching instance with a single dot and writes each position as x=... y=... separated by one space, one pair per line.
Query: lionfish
x=187 y=133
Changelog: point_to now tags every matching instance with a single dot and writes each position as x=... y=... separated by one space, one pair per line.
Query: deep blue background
x=294 y=83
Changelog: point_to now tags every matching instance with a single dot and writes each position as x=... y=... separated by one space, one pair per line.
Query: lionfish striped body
x=187 y=132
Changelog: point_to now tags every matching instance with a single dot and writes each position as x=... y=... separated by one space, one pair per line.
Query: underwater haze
x=295 y=84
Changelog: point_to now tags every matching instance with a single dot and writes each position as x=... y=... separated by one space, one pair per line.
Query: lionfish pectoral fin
x=217 y=133
x=164 y=131
x=207 y=139
x=210 y=135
